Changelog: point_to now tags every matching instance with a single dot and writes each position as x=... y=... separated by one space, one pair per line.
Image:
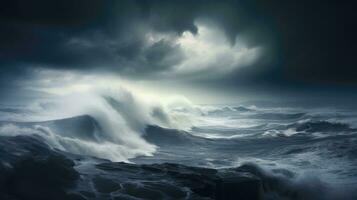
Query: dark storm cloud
x=317 y=39
x=305 y=40
x=315 y=44
x=105 y=35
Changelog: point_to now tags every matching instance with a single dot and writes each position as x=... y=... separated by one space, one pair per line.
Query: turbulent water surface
x=313 y=150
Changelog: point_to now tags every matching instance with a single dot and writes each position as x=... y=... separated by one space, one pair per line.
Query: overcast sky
x=191 y=46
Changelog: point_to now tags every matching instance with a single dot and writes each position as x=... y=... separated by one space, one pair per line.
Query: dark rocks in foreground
x=29 y=169
x=174 y=181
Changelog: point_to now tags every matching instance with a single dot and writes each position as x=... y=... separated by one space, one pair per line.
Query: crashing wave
x=107 y=125
x=79 y=135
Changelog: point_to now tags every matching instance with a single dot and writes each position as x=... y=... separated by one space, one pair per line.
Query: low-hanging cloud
x=114 y=36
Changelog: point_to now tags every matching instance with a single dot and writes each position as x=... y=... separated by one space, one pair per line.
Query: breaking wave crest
x=108 y=126
x=308 y=127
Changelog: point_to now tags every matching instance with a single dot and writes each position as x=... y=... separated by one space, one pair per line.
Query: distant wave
x=277 y=116
x=319 y=126
x=243 y=109
x=309 y=127
x=225 y=109
x=218 y=110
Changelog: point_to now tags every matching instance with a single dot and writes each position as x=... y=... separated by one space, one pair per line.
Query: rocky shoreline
x=29 y=169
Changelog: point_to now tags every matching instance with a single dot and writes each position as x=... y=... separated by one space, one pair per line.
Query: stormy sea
x=117 y=147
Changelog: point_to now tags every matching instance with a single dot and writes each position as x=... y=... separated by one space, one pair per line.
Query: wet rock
x=52 y=174
x=30 y=170
x=104 y=185
x=143 y=192
x=87 y=194
x=174 y=181
x=242 y=186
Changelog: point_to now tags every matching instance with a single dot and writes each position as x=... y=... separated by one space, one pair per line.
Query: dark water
x=319 y=142
x=316 y=147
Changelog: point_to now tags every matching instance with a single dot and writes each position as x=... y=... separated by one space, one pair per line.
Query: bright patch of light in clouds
x=210 y=52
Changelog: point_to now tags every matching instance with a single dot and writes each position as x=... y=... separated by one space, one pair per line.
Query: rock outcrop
x=29 y=169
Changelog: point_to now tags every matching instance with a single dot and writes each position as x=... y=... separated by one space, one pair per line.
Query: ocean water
x=316 y=147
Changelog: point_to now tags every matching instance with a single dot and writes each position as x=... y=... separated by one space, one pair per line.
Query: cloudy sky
x=197 y=48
